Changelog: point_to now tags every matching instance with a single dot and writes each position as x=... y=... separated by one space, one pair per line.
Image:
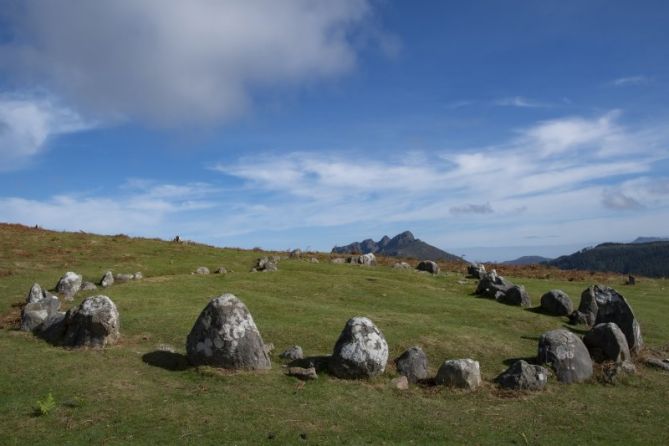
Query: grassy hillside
x=121 y=395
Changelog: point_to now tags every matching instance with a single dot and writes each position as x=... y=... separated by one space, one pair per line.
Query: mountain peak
x=402 y=245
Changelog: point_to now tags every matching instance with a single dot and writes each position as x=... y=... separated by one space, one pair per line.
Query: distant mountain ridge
x=527 y=260
x=649 y=259
x=402 y=245
x=650 y=239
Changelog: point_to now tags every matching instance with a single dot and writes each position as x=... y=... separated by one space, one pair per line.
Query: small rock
x=107 y=280
x=202 y=270
x=658 y=363
x=292 y=353
x=400 y=383
x=556 y=303
x=338 y=260
x=302 y=373
x=313 y=260
x=428 y=266
x=69 y=285
x=221 y=270
x=269 y=348
x=365 y=259
x=123 y=278
x=461 y=373
x=265 y=264
x=523 y=376
x=138 y=276
x=295 y=254
x=401 y=265
x=412 y=364
x=88 y=286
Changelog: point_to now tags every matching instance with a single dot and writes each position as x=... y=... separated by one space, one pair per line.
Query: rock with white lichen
x=360 y=352
x=69 y=285
x=225 y=335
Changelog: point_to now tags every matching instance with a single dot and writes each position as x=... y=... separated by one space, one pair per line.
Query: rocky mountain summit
x=402 y=245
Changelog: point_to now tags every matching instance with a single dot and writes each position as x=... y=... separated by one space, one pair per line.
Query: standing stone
x=225 y=335
x=360 y=352
x=429 y=266
x=292 y=353
x=107 y=280
x=462 y=373
x=612 y=307
x=94 y=323
x=202 y=270
x=412 y=364
x=69 y=284
x=515 y=295
x=36 y=311
x=606 y=342
x=587 y=309
x=35 y=294
x=523 y=376
x=567 y=354
x=556 y=303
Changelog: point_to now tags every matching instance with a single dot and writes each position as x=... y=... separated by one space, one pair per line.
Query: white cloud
x=629 y=80
x=174 y=62
x=27 y=124
x=472 y=209
x=520 y=102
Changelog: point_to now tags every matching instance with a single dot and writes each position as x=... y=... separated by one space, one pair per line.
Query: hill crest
x=402 y=245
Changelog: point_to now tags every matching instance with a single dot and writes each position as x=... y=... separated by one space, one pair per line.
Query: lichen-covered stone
x=428 y=266
x=522 y=375
x=365 y=259
x=360 y=352
x=107 y=280
x=94 y=323
x=461 y=373
x=567 y=354
x=69 y=285
x=225 y=335
x=556 y=303
x=40 y=307
x=35 y=294
x=412 y=363
x=292 y=353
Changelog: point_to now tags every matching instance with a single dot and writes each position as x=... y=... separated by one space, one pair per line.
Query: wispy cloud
x=619 y=201
x=28 y=123
x=472 y=209
x=629 y=81
x=519 y=101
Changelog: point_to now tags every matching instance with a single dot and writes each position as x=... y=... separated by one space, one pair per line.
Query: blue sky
x=490 y=129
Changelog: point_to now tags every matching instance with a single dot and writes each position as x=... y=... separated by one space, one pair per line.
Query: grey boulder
x=138 y=276
x=515 y=295
x=35 y=294
x=221 y=270
x=225 y=335
x=295 y=254
x=586 y=313
x=338 y=260
x=107 y=280
x=461 y=373
x=556 y=303
x=292 y=353
x=606 y=342
x=412 y=364
x=476 y=270
x=265 y=264
x=88 y=286
x=202 y=270
x=360 y=352
x=123 y=278
x=94 y=323
x=613 y=307
x=401 y=265
x=38 y=310
x=567 y=354
x=365 y=259
x=492 y=285
x=69 y=284
x=522 y=375
x=429 y=266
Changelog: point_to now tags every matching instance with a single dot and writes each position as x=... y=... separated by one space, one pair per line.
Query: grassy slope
x=121 y=399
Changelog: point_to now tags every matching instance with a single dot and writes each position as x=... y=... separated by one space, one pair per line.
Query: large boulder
x=556 y=303
x=107 y=280
x=429 y=266
x=225 y=335
x=412 y=364
x=613 y=307
x=492 y=285
x=462 y=373
x=94 y=323
x=360 y=352
x=476 y=270
x=515 y=295
x=69 y=284
x=522 y=375
x=606 y=342
x=567 y=354
x=587 y=308
x=41 y=306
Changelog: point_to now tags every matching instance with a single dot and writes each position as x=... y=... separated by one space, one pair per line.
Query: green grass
x=112 y=396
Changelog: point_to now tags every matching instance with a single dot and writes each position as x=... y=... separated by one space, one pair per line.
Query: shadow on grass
x=530 y=338
x=320 y=363
x=528 y=359
x=166 y=360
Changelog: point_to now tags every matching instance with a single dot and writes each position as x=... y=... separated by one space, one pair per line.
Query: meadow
x=130 y=394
